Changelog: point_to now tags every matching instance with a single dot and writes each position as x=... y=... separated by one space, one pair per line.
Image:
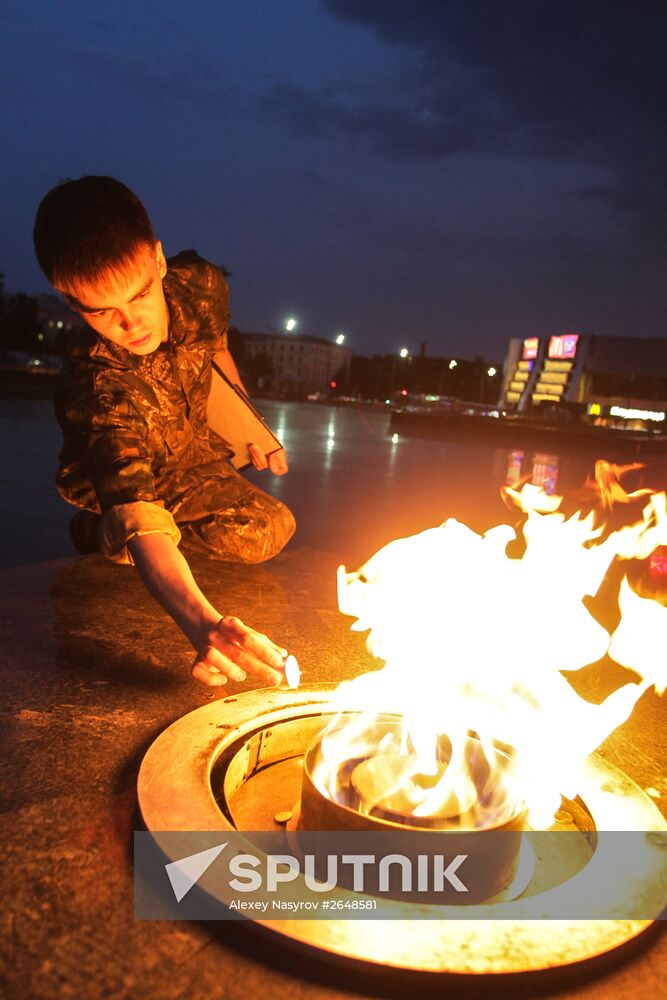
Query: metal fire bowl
x=235 y=738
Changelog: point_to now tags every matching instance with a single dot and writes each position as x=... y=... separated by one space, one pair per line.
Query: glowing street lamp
x=453 y=363
x=403 y=353
x=482 y=386
x=340 y=339
x=290 y=324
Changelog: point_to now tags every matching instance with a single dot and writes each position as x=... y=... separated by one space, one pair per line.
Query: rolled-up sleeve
x=125 y=521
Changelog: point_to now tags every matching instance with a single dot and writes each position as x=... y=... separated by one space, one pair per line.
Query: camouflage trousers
x=228 y=518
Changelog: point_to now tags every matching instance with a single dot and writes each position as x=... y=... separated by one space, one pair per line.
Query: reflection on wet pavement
x=351 y=485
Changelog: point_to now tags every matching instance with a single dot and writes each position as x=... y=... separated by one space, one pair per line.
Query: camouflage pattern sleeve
x=198 y=296
x=104 y=428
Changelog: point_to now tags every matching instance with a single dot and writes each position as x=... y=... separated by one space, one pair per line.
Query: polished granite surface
x=92 y=671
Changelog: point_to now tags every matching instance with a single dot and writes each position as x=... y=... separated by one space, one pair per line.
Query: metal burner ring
x=175 y=793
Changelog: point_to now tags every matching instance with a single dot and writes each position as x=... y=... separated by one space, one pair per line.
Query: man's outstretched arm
x=225 y=647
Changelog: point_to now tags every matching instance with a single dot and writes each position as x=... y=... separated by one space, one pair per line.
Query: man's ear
x=160 y=259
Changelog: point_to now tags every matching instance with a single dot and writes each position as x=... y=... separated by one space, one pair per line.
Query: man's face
x=129 y=310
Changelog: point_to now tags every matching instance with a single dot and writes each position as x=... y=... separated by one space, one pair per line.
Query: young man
x=139 y=459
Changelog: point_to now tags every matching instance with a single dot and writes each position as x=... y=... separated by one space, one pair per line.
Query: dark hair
x=87 y=229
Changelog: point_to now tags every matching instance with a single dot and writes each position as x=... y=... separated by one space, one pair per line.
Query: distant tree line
x=19 y=321
x=388 y=376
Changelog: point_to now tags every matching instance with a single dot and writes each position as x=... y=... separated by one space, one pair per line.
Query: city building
x=294 y=364
x=619 y=380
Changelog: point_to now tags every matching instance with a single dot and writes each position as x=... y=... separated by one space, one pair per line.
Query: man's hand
x=276 y=461
x=226 y=648
x=232 y=650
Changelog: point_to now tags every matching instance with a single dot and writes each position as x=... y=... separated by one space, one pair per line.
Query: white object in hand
x=292 y=671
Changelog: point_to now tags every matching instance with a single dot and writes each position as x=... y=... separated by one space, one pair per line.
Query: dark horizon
x=455 y=173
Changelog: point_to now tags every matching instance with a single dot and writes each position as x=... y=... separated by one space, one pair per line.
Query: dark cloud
x=401 y=124
x=563 y=82
x=572 y=78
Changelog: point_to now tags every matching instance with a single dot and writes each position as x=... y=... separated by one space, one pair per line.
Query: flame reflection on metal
x=207 y=771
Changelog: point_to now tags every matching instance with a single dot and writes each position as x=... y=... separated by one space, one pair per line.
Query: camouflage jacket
x=134 y=427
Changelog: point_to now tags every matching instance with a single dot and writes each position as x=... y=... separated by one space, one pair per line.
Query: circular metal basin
x=238 y=762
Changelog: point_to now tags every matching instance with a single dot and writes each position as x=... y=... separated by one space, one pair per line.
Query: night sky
x=397 y=170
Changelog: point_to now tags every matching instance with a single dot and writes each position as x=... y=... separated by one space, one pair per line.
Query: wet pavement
x=351 y=485
x=92 y=671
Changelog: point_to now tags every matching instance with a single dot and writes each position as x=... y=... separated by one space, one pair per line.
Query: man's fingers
x=225 y=664
x=214 y=664
x=212 y=678
x=238 y=661
x=215 y=676
x=243 y=659
x=231 y=632
x=280 y=650
x=268 y=676
x=278 y=462
x=258 y=457
x=232 y=650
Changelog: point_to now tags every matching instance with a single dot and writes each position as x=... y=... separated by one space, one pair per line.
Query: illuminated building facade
x=298 y=363
x=613 y=379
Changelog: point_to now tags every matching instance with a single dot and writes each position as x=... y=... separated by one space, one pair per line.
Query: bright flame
x=476 y=642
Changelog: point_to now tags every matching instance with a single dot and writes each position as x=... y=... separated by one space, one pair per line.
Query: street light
x=340 y=339
x=403 y=353
x=453 y=364
x=490 y=373
x=290 y=324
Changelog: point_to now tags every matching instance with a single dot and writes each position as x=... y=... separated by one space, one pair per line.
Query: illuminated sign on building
x=630 y=414
x=563 y=347
x=530 y=348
